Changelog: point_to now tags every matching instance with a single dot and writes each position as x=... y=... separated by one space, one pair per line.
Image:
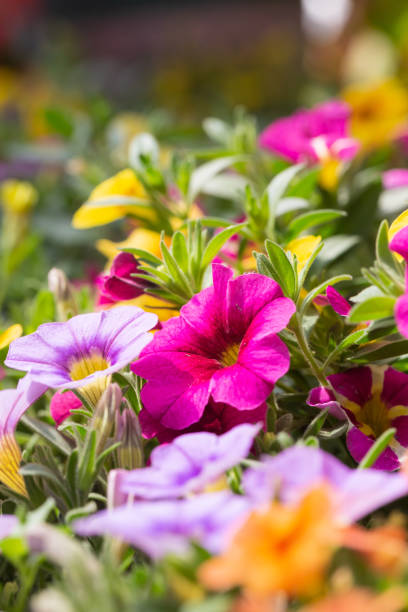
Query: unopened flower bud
x=59 y=285
x=104 y=416
x=127 y=431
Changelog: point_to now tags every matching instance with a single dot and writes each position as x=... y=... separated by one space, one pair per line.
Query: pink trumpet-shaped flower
x=224 y=346
x=373 y=399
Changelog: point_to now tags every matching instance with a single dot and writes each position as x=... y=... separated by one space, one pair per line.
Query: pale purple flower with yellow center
x=373 y=399
x=83 y=352
x=312 y=135
x=8 y=523
x=292 y=473
x=189 y=464
x=13 y=404
x=224 y=346
x=160 y=528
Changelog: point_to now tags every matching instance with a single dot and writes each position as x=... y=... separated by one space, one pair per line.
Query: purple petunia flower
x=295 y=471
x=223 y=345
x=189 y=464
x=8 y=523
x=310 y=135
x=85 y=349
x=164 y=527
x=14 y=403
x=373 y=398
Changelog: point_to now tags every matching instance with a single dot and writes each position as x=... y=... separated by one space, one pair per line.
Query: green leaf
x=179 y=250
x=373 y=308
x=283 y=271
x=77 y=513
x=381 y=351
x=174 y=270
x=377 y=448
x=218 y=241
x=14 y=548
x=336 y=246
x=289 y=205
x=217 y=130
x=43 y=311
x=59 y=121
x=384 y=256
x=313 y=218
x=275 y=191
x=279 y=184
x=47 y=432
x=207 y=171
x=316 y=424
x=142 y=254
x=36 y=469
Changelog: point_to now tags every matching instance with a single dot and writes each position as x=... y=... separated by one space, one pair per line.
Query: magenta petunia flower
x=62 y=404
x=399 y=244
x=310 y=135
x=14 y=403
x=84 y=351
x=217 y=418
x=224 y=345
x=189 y=464
x=160 y=528
x=335 y=300
x=120 y=284
x=373 y=398
x=295 y=471
x=398 y=177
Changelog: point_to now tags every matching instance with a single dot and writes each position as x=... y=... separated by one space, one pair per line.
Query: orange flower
x=357 y=600
x=259 y=604
x=279 y=548
x=385 y=548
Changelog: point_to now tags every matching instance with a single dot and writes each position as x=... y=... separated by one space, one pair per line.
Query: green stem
x=307 y=353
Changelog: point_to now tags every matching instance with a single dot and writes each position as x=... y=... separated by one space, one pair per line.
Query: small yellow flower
x=18 y=196
x=303 y=248
x=10 y=334
x=377 y=112
x=101 y=207
x=329 y=173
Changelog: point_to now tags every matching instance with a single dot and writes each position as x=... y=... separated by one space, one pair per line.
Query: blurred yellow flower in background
x=303 y=247
x=101 y=207
x=10 y=334
x=140 y=238
x=18 y=197
x=378 y=111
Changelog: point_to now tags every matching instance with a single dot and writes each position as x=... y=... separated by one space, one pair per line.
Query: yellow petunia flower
x=10 y=334
x=18 y=197
x=378 y=111
x=104 y=204
x=303 y=248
